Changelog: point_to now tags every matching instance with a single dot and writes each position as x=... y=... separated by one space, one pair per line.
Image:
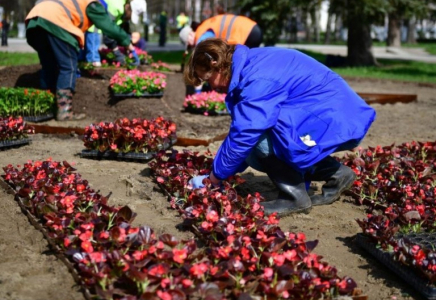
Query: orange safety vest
x=70 y=15
x=234 y=29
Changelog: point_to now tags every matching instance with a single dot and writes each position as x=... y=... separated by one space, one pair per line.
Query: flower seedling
x=160 y=66
x=137 y=83
x=13 y=129
x=130 y=136
x=207 y=103
x=25 y=102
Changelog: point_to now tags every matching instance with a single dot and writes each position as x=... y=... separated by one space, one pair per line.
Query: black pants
x=255 y=37
x=4 y=37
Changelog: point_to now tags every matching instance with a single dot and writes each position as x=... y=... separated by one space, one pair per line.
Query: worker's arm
x=99 y=17
x=206 y=35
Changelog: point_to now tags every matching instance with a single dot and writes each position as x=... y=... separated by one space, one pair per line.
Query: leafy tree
x=269 y=15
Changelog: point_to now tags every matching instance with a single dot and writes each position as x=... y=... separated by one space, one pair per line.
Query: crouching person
x=55 y=29
x=289 y=114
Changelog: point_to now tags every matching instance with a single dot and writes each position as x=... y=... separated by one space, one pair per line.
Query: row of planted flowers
x=245 y=254
x=137 y=83
x=17 y=101
x=14 y=129
x=206 y=103
x=399 y=186
x=130 y=135
x=108 y=60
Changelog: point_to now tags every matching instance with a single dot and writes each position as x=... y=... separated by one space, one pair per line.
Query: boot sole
x=346 y=187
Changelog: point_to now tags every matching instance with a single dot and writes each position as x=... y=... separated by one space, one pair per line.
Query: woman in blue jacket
x=289 y=113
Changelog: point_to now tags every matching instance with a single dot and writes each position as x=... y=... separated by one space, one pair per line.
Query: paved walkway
x=20 y=45
x=417 y=54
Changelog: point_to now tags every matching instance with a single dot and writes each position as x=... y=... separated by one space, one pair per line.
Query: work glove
x=119 y=57
x=135 y=57
x=197 y=181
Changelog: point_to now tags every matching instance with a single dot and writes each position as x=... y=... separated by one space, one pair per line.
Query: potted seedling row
x=108 y=56
x=109 y=66
x=14 y=132
x=160 y=66
x=33 y=105
x=134 y=83
x=206 y=103
x=243 y=253
x=136 y=139
x=398 y=183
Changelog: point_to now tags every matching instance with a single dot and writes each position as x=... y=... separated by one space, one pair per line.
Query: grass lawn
x=388 y=69
x=402 y=70
x=15 y=59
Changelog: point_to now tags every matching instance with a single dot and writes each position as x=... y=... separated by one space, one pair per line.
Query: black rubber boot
x=338 y=178
x=292 y=196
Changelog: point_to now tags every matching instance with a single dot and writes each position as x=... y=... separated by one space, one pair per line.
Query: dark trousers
x=110 y=43
x=4 y=37
x=58 y=60
x=162 y=36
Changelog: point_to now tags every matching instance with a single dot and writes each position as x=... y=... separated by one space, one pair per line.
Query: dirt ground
x=29 y=270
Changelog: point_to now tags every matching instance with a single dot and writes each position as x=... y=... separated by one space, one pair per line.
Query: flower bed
x=136 y=83
x=399 y=186
x=244 y=253
x=136 y=139
x=32 y=104
x=250 y=247
x=160 y=66
x=14 y=132
x=108 y=57
x=206 y=103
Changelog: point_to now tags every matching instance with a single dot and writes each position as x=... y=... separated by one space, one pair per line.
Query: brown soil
x=29 y=270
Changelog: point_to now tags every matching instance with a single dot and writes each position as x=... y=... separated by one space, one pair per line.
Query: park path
x=417 y=54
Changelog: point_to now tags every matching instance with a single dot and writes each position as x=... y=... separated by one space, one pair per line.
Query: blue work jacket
x=290 y=96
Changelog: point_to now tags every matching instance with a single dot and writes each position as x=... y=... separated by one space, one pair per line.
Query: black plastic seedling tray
x=422 y=285
x=133 y=95
x=129 y=156
x=117 y=156
x=40 y=118
x=209 y=113
x=14 y=143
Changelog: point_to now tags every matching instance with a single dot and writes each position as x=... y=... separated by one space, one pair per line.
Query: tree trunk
x=338 y=27
x=307 y=26
x=359 y=41
x=197 y=13
x=328 y=30
x=411 y=28
x=315 y=15
x=394 y=30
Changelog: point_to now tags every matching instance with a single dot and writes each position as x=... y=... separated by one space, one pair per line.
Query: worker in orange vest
x=55 y=29
x=232 y=28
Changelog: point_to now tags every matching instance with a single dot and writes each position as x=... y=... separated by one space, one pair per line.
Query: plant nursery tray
x=129 y=156
x=133 y=95
x=117 y=156
x=13 y=143
x=40 y=118
x=105 y=72
x=209 y=113
x=407 y=274
x=426 y=240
